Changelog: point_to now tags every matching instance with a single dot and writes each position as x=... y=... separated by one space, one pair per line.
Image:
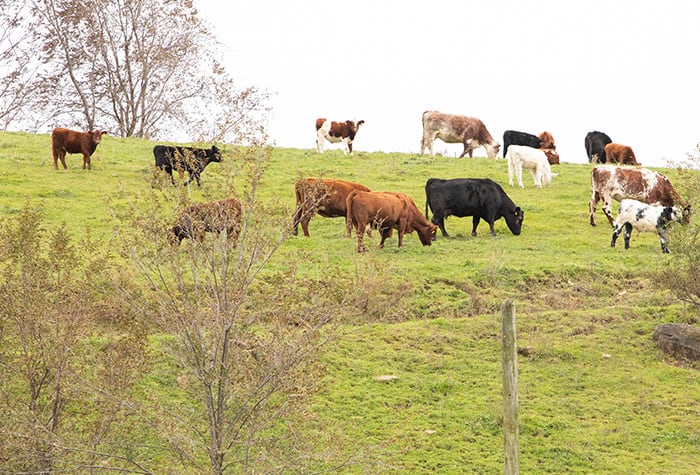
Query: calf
x=480 y=198
x=190 y=159
x=336 y=132
x=533 y=159
x=212 y=217
x=647 y=219
x=386 y=211
x=609 y=183
x=450 y=128
x=623 y=154
x=325 y=197
x=71 y=141
x=544 y=141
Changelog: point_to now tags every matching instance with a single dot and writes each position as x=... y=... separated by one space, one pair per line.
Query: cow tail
x=427 y=198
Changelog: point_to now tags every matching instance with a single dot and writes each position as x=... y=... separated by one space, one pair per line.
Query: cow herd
x=648 y=200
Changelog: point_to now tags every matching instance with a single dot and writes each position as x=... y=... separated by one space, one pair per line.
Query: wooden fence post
x=510 y=391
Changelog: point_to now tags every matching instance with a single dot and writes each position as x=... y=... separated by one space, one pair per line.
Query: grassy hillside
x=596 y=396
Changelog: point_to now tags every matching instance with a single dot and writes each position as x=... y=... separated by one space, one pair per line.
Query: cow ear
x=104 y=132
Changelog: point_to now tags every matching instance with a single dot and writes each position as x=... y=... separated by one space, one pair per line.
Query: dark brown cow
x=336 y=132
x=450 y=128
x=623 y=154
x=326 y=197
x=609 y=182
x=71 y=141
x=386 y=211
x=212 y=217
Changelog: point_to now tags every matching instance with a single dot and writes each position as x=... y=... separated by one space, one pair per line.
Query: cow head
x=214 y=154
x=426 y=234
x=492 y=149
x=514 y=220
x=96 y=135
x=552 y=156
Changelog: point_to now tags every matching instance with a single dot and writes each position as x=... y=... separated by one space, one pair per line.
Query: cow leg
x=607 y=209
x=475 y=223
x=511 y=171
x=519 y=175
x=305 y=226
x=595 y=198
x=663 y=239
x=86 y=162
x=440 y=222
x=360 y=240
x=62 y=157
x=319 y=142
x=348 y=147
x=616 y=233
x=628 y=234
x=385 y=232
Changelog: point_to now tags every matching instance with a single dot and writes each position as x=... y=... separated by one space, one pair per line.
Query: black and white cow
x=647 y=219
x=480 y=198
x=336 y=132
x=190 y=159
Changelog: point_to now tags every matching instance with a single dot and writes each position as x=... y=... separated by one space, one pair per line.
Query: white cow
x=533 y=159
x=647 y=219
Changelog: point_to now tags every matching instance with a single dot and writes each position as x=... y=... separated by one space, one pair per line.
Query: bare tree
x=138 y=68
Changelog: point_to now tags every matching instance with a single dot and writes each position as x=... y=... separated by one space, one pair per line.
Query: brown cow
x=336 y=132
x=385 y=211
x=623 y=154
x=610 y=182
x=213 y=217
x=546 y=141
x=450 y=128
x=325 y=197
x=71 y=141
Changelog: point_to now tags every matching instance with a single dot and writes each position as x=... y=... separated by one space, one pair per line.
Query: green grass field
x=596 y=396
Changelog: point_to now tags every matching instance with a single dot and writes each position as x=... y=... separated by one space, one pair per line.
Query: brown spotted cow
x=609 y=182
x=386 y=211
x=623 y=154
x=212 y=217
x=71 y=141
x=336 y=132
x=450 y=128
x=323 y=196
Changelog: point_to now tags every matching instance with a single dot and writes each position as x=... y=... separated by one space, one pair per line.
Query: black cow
x=595 y=143
x=480 y=198
x=189 y=159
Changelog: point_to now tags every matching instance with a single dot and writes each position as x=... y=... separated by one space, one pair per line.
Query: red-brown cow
x=385 y=211
x=212 y=217
x=326 y=197
x=617 y=153
x=336 y=132
x=609 y=182
x=450 y=128
x=71 y=141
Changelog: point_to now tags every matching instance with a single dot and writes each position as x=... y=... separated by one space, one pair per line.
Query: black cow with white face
x=185 y=159
x=480 y=198
x=595 y=143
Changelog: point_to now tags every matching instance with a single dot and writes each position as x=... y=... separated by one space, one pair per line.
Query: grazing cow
x=385 y=211
x=609 y=182
x=647 y=218
x=480 y=198
x=190 y=159
x=533 y=159
x=325 y=197
x=623 y=154
x=212 y=217
x=336 y=132
x=595 y=143
x=544 y=141
x=71 y=141
x=449 y=128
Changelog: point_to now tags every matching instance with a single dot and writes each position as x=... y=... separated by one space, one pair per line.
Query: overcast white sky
x=629 y=68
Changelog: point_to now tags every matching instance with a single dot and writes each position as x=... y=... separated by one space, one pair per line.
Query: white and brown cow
x=609 y=182
x=450 y=128
x=646 y=218
x=336 y=132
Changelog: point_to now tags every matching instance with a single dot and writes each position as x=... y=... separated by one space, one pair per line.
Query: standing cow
x=595 y=143
x=212 y=217
x=480 y=198
x=617 y=153
x=609 y=182
x=533 y=159
x=545 y=140
x=647 y=218
x=386 y=211
x=71 y=141
x=336 y=132
x=326 y=197
x=190 y=159
x=450 y=128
